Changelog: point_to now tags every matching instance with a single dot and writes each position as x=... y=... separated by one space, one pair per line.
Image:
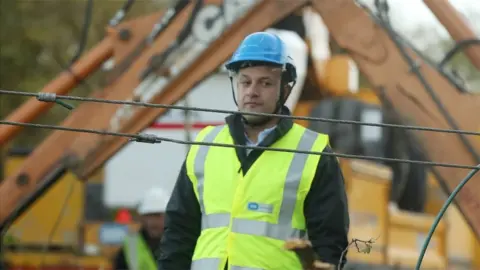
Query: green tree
x=37 y=41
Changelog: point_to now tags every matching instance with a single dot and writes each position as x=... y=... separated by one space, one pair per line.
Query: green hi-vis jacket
x=246 y=219
x=137 y=253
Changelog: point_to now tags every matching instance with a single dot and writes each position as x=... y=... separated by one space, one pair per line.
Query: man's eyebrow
x=260 y=78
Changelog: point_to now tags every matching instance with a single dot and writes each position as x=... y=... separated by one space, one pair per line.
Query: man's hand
x=307 y=256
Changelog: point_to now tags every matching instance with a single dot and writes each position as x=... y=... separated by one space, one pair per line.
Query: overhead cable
x=52 y=97
x=382 y=7
x=153 y=139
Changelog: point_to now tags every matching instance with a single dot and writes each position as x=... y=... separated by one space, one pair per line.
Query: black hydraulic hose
x=158 y=28
x=383 y=7
x=459 y=46
x=158 y=59
x=166 y=19
x=85 y=29
x=451 y=79
x=81 y=44
x=121 y=13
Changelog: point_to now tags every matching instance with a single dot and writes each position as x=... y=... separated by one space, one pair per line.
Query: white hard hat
x=155 y=201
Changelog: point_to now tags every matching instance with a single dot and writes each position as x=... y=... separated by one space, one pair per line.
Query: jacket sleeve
x=182 y=226
x=120 y=262
x=326 y=211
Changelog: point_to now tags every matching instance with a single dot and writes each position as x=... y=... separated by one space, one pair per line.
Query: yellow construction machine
x=391 y=203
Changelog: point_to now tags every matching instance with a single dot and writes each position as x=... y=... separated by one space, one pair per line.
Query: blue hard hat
x=262 y=48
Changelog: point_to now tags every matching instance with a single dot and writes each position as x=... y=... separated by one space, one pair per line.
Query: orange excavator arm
x=61 y=85
x=416 y=90
x=68 y=79
x=457 y=27
x=84 y=153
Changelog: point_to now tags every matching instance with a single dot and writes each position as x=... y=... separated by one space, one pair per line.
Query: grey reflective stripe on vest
x=207 y=263
x=214 y=264
x=200 y=163
x=215 y=220
x=132 y=251
x=281 y=231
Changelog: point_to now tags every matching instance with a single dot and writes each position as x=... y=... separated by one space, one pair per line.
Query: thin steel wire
x=51 y=97
x=150 y=138
x=441 y=213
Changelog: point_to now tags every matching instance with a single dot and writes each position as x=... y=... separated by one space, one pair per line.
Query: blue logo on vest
x=260 y=207
x=253 y=206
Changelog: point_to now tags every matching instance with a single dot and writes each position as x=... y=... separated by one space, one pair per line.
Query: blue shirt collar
x=262 y=135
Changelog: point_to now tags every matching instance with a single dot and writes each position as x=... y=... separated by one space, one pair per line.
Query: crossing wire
x=151 y=138
x=52 y=97
x=441 y=213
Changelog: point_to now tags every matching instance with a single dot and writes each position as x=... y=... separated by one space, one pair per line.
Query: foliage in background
x=434 y=46
x=38 y=39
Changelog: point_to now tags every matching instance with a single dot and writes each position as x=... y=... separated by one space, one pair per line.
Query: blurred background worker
x=237 y=208
x=141 y=249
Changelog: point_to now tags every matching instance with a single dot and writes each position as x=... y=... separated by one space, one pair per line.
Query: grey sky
x=409 y=15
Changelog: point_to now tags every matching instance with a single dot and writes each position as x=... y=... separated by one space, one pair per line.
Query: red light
x=123 y=216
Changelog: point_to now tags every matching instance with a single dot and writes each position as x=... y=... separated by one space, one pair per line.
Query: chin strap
x=278 y=108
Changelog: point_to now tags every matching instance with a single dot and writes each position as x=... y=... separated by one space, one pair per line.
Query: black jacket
x=120 y=261
x=326 y=209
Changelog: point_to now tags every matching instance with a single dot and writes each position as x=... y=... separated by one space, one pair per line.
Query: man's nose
x=252 y=90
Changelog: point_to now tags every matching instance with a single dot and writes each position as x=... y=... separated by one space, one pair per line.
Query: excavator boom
x=61 y=85
x=456 y=26
x=87 y=152
x=415 y=90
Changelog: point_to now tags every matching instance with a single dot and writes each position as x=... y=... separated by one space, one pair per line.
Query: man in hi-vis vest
x=234 y=208
x=141 y=249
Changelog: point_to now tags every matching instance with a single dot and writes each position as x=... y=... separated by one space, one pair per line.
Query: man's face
x=258 y=90
x=153 y=224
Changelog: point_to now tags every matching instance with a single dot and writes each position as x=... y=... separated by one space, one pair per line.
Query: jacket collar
x=237 y=128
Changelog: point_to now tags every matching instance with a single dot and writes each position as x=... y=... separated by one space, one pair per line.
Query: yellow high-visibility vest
x=246 y=219
x=137 y=253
